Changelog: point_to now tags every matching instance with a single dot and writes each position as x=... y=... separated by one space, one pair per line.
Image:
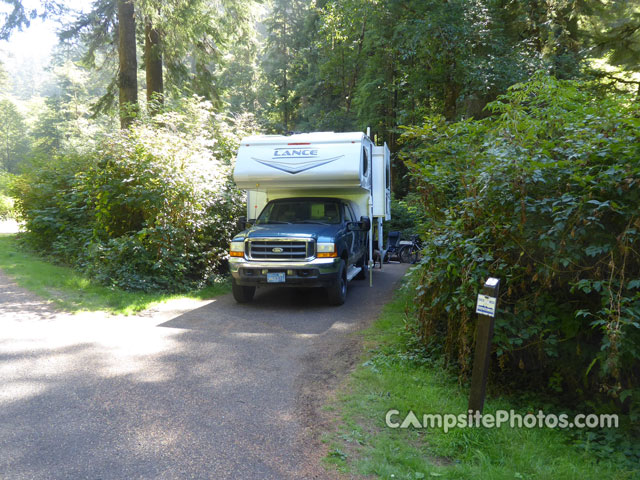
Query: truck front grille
x=276 y=249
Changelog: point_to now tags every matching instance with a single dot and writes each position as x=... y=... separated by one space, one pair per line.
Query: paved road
x=204 y=390
x=9 y=226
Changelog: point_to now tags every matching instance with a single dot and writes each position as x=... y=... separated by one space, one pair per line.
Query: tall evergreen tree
x=4 y=78
x=65 y=116
x=14 y=141
x=240 y=78
x=128 y=73
x=184 y=41
x=284 y=59
x=613 y=30
x=153 y=66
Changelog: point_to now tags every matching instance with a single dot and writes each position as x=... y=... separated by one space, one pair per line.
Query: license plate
x=276 y=277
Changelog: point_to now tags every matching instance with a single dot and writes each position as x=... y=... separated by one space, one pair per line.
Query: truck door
x=357 y=239
x=350 y=236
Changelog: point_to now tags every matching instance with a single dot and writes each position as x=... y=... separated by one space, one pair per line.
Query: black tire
x=364 y=265
x=241 y=293
x=404 y=255
x=409 y=254
x=338 y=291
x=414 y=254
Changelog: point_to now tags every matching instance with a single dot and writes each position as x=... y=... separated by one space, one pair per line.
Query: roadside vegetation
x=544 y=195
x=150 y=208
x=69 y=289
x=7 y=210
x=399 y=373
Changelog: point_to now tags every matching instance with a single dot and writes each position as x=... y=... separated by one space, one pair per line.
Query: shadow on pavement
x=295 y=310
x=213 y=393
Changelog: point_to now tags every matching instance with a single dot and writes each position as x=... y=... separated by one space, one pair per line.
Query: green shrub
x=544 y=195
x=151 y=208
x=7 y=209
x=404 y=216
x=54 y=210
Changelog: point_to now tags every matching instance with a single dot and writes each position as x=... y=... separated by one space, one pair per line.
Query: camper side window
x=365 y=162
x=388 y=175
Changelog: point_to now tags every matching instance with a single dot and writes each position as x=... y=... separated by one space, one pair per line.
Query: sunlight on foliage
x=7 y=209
x=149 y=208
x=544 y=195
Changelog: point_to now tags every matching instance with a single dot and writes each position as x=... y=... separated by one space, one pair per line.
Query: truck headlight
x=236 y=249
x=326 y=250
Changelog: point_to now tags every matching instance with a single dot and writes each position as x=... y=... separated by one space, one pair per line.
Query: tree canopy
x=16 y=17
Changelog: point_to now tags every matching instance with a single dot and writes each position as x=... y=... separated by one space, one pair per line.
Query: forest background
x=514 y=127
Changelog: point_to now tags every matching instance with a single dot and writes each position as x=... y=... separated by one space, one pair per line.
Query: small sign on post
x=486 y=305
x=486 y=310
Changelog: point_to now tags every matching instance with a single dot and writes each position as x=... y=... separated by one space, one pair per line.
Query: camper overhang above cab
x=309 y=160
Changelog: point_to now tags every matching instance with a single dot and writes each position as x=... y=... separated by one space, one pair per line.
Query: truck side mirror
x=242 y=223
x=366 y=223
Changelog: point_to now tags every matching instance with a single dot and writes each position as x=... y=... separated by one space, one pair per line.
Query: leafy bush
x=404 y=216
x=149 y=208
x=544 y=195
x=6 y=202
x=6 y=207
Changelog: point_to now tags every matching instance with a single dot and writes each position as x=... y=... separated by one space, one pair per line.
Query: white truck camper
x=312 y=201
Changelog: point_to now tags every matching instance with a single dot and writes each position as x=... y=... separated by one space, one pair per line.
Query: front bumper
x=319 y=272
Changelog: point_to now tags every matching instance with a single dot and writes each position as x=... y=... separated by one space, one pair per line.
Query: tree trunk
x=285 y=102
x=127 y=77
x=452 y=90
x=356 y=68
x=285 y=86
x=153 y=68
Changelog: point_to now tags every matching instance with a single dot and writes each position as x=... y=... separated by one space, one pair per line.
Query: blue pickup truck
x=301 y=242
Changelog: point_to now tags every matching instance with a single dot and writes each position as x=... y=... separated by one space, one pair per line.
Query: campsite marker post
x=486 y=310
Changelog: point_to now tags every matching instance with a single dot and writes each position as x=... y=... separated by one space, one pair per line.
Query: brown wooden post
x=486 y=309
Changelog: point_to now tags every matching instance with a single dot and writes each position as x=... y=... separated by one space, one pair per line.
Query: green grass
x=394 y=378
x=70 y=290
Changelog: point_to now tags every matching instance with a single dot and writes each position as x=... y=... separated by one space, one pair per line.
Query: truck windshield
x=301 y=211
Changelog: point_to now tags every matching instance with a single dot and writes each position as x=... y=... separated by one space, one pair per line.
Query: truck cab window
x=301 y=210
x=348 y=216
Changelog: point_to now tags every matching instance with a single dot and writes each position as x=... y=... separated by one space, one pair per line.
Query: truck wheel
x=364 y=265
x=241 y=293
x=338 y=291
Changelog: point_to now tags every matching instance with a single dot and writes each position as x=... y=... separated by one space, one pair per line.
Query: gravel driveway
x=203 y=390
